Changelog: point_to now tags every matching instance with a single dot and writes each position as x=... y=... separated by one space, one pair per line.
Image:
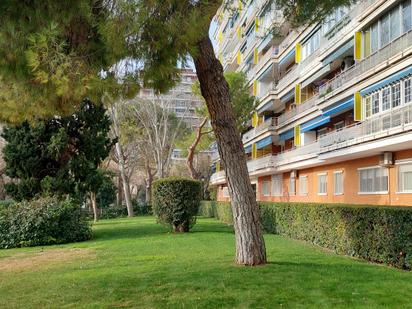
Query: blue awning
x=287 y=57
x=290 y=95
x=286 y=135
x=248 y=149
x=314 y=123
x=395 y=77
x=339 y=52
x=338 y=108
x=264 y=142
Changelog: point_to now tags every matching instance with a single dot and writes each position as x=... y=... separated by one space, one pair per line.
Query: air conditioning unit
x=294 y=174
x=386 y=159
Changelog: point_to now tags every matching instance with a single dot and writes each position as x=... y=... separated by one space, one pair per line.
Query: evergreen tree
x=58 y=156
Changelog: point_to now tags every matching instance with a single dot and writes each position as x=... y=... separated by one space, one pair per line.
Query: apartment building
x=334 y=119
x=180 y=100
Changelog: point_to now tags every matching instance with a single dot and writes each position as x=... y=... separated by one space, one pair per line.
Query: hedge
x=374 y=233
x=44 y=221
x=176 y=202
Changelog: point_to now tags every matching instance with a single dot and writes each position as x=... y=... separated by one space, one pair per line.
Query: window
x=368 y=106
x=277 y=185
x=395 y=23
x=406 y=16
x=225 y=192
x=405 y=177
x=322 y=132
x=266 y=188
x=396 y=94
x=322 y=184
x=303 y=185
x=292 y=186
x=373 y=180
x=407 y=93
x=375 y=103
x=374 y=38
x=385 y=30
x=338 y=182
x=386 y=99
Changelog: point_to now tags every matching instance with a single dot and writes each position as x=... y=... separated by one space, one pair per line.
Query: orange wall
x=350 y=183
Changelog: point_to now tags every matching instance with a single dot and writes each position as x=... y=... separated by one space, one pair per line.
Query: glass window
x=405 y=177
x=406 y=16
x=396 y=95
x=368 y=106
x=375 y=103
x=322 y=184
x=338 y=182
x=303 y=185
x=385 y=30
x=266 y=188
x=292 y=186
x=374 y=38
x=225 y=192
x=407 y=93
x=277 y=185
x=386 y=99
x=395 y=23
x=373 y=180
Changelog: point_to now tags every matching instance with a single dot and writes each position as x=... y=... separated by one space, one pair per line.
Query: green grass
x=135 y=263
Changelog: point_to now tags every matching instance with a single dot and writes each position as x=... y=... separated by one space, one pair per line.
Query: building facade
x=334 y=119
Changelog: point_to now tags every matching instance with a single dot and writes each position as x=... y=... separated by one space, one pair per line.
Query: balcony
x=261 y=163
x=218 y=177
x=350 y=76
x=389 y=123
x=300 y=108
x=288 y=78
x=298 y=154
x=268 y=125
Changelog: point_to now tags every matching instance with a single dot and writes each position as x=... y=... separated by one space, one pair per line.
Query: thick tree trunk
x=125 y=181
x=250 y=245
x=94 y=206
x=192 y=149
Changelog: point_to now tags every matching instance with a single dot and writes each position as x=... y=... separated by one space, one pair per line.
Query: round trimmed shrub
x=176 y=201
x=44 y=221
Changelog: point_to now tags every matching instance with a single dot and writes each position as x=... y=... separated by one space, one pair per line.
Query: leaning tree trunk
x=192 y=149
x=125 y=181
x=250 y=245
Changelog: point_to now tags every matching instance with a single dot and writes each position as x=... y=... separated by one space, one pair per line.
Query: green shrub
x=176 y=202
x=44 y=221
x=141 y=208
x=106 y=194
x=112 y=213
x=374 y=233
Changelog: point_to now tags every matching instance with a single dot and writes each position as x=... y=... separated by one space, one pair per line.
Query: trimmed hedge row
x=377 y=234
x=44 y=221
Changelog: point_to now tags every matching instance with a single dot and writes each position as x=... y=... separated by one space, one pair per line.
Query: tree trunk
x=94 y=206
x=250 y=245
x=149 y=181
x=119 y=200
x=125 y=181
x=192 y=149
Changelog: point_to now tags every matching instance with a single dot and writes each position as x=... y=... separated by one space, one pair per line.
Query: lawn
x=135 y=263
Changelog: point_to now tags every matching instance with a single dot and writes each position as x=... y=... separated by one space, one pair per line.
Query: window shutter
x=255 y=56
x=254 y=88
x=239 y=57
x=298 y=49
x=358 y=107
x=358 y=46
x=256 y=24
x=297 y=136
x=297 y=94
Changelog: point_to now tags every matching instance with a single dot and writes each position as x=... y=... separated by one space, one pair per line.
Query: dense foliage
x=139 y=209
x=377 y=234
x=106 y=194
x=176 y=202
x=44 y=221
x=58 y=156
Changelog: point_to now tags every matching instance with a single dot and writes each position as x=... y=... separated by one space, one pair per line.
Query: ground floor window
x=373 y=180
x=405 y=177
x=292 y=186
x=338 y=182
x=303 y=185
x=266 y=188
x=277 y=184
x=322 y=184
x=225 y=192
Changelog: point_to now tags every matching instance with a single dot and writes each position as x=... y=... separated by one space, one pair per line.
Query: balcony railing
x=261 y=163
x=388 y=123
x=288 y=78
x=300 y=108
x=217 y=176
x=293 y=154
x=271 y=122
x=380 y=56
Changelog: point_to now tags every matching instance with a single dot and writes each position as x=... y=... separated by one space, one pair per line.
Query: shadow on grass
x=132 y=229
